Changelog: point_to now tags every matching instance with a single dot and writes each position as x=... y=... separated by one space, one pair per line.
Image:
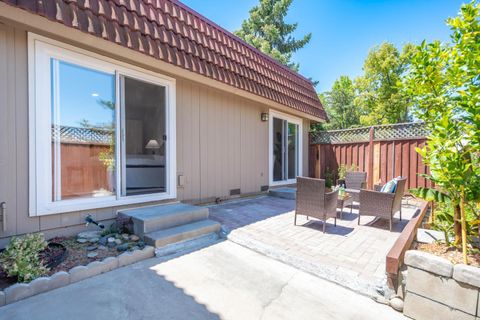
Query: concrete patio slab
x=222 y=281
x=348 y=254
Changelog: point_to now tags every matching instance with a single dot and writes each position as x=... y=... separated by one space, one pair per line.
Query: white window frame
x=40 y=51
x=291 y=119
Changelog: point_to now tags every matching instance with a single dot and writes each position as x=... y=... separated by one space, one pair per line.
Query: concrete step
x=181 y=233
x=161 y=217
x=285 y=193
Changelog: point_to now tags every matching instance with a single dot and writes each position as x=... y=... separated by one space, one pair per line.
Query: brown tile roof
x=170 y=31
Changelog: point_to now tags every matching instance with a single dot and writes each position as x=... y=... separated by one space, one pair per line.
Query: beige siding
x=221 y=144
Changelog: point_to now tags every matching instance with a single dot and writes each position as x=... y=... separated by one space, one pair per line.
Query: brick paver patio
x=348 y=254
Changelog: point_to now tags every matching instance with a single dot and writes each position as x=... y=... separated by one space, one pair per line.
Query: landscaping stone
x=40 y=285
x=418 y=307
x=125 y=236
x=134 y=237
x=91 y=248
x=59 y=279
x=467 y=274
x=429 y=236
x=429 y=262
x=127 y=258
x=118 y=241
x=97 y=267
x=17 y=292
x=103 y=241
x=93 y=240
x=92 y=254
x=396 y=303
x=79 y=273
x=110 y=263
x=103 y=248
x=446 y=291
x=89 y=234
x=110 y=239
x=2 y=298
x=122 y=247
x=81 y=240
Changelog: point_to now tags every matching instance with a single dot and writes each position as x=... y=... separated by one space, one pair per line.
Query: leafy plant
x=329 y=177
x=21 y=257
x=444 y=85
x=444 y=222
x=343 y=169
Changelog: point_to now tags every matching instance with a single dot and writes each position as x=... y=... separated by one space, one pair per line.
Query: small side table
x=343 y=201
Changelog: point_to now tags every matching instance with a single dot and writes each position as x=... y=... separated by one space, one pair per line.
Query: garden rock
x=91 y=248
x=125 y=236
x=89 y=235
x=92 y=254
x=103 y=248
x=93 y=240
x=396 y=303
x=103 y=241
x=122 y=247
x=134 y=238
x=81 y=240
x=118 y=241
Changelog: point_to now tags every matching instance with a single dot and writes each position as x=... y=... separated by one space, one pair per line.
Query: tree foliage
x=444 y=83
x=380 y=96
x=267 y=31
x=339 y=105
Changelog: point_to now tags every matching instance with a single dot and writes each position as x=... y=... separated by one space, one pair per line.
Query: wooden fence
x=384 y=152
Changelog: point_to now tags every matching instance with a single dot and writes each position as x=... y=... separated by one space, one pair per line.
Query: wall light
x=264 y=116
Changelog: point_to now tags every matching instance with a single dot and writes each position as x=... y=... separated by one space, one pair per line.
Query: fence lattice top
x=412 y=130
x=67 y=134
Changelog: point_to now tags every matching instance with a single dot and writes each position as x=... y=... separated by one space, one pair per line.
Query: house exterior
x=108 y=104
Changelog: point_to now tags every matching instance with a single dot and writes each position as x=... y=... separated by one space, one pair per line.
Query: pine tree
x=267 y=31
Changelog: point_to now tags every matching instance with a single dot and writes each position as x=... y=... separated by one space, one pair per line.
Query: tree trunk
x=457 y=224
x=464 y=228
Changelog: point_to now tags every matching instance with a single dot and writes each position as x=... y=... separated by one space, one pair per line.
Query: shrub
x=21 y=257
x=343 y=169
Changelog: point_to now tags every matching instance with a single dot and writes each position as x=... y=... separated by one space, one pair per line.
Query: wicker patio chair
x=312 y=201
x=381 y=204
x=354 y=181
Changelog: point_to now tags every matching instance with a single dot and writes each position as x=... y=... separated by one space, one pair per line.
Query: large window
x=102 y=133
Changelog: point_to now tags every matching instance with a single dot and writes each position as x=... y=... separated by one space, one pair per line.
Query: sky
x=343 y=31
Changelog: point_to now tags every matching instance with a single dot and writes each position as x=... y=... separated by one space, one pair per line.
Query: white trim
x=290 y=119
x=40 y=51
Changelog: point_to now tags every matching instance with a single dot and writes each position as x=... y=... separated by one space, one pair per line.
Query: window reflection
x=83 y=132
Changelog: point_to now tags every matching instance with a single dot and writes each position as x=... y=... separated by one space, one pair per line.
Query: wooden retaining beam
x=394 y=259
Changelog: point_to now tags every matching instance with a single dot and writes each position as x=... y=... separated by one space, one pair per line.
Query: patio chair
x=312 y=201
x=381 y=204
x=354 y=181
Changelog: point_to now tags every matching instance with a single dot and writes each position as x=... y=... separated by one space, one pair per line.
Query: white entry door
x=285 y=148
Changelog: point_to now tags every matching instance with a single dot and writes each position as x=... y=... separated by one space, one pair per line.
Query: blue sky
x=343 y=31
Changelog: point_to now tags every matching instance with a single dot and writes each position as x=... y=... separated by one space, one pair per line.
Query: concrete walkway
x=222 y=281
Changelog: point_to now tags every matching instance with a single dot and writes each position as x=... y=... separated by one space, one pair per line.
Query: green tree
x=267 y=31
x=380 y=95
x=339 y=105
x=444 y=84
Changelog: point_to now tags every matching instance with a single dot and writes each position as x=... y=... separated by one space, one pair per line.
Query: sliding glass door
x=144 y=123
x=285 y=149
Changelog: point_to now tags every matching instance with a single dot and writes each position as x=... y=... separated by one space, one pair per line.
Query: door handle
x=3 y=208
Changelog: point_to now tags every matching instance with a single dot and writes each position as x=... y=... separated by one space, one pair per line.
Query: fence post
x=370 y=158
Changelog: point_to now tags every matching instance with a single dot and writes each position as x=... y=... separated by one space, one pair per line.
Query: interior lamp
x=152 y=144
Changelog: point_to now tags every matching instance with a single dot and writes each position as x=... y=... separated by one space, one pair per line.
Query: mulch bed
x=453 y=254
x=76 y=255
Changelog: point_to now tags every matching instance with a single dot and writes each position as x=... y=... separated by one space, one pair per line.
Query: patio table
x=344 y=200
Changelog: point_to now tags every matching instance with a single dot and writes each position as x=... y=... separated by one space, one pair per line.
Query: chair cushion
x=390 y=186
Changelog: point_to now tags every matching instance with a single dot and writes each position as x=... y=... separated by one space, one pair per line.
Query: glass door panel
x=292 y=150
x=144 y=123
x=285 y=150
